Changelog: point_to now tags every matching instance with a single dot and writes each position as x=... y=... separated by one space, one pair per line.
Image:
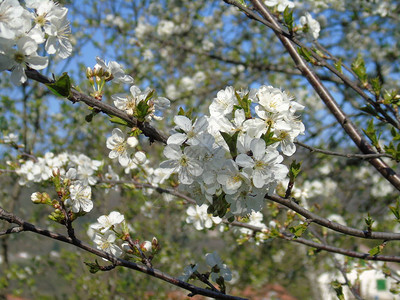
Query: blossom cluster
x=105 y=232
x=233 y=154
x=143 y=105
x=310 y=26
x=23 y=29
x=111 y=234
x=200 y=218
x=80 y=167
x=254 y=219
x=76 y=172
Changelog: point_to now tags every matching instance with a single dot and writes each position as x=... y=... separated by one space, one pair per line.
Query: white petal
x=244 y=161
x=183 y=122
x=132 y=141
x=177 y=139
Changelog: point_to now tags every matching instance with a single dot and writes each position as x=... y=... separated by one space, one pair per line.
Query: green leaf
x=294 y=170
x=391 y=97
x=93 y=267
x=244 y=103
x=61 y=87
x=375 y=251
x=219 y=207
x=181 y=112
x=358 y=66
x=306 y=54
x=299 y=229
x=337 y=286
x=288 y=18
x=118 y=120
x=187 y=113
x=231 y=141
x=142 y=110
x=338 y=66
x=376 y=86
x=369 y=221
x=369 y=110
x=371 y=134
x=268 y=137
x=396 y=211
x=386 y=270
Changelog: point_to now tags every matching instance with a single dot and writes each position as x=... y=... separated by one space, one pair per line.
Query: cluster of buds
x=73 y=198
x=104 y=72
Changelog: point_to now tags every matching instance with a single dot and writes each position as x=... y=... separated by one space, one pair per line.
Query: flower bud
x=89 y=73
x=145 y=246
x=36 y=197
x=155 y=246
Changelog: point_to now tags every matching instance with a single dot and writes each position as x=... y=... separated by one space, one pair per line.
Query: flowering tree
x=244 y=123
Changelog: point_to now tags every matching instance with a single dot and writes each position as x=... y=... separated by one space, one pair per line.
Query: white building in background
x=371 y=285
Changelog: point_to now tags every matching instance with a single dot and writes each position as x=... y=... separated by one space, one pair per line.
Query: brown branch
x=76 y=96
x=375 y=235
x=269 y=20
x=347 y=155
x=351 y=130
x=314 y=218
x=320 y=246
x=311 y=218
x=11 y=218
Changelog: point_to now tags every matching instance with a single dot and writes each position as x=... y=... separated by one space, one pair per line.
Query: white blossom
x=11 y=18
x=121 y=148
x=106 y=243
x=165 y=28
x=184 y=163
x=20 y=58
x=106 y=222
x=80 y=198
x=198 y=216
x=310 y=25
x=187 y=272
x=281 y=4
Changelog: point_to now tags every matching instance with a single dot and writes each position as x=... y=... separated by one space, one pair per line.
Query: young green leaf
x=294 y=170
x=369 y=221
x=337 y=286
x=299 y=229
x=61 y=87
x=358 y=66
x=396 y=211
x=288 y=18
x=376 y=86
x=118 y=120
x=231 y=141
x=338 y=66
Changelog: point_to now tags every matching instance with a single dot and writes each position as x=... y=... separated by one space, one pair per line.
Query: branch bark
x=351 y=130
x=76 y=96
x=25 y=226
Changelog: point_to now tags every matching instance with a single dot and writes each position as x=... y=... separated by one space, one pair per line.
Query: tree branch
x=320 y=246
x=289 y=236
x=149 y=131
x=375 y=235
x=347 y=155
x=269 y=20
x=351 y=130
x=11 y=218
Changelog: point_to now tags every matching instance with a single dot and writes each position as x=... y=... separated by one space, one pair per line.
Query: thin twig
x=11 y=218
x=347 y=155
x=352 y=131
x=76 y=96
